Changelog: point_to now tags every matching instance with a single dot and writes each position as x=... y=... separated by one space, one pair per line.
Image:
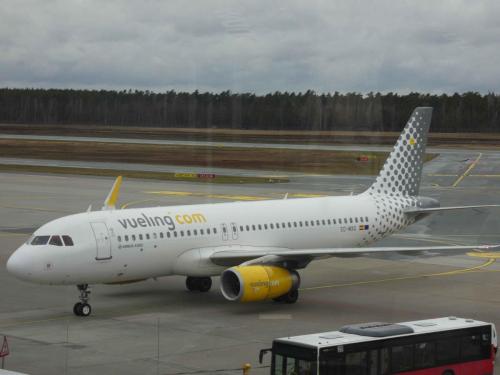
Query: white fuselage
x=125 y=245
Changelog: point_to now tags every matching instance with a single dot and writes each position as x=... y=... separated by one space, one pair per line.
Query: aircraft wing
x=417 y=210
x=299 y=258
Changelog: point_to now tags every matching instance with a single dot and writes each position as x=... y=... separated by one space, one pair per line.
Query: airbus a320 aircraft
x=256 y=247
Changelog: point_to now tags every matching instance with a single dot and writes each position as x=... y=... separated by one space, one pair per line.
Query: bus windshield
x=293 y=360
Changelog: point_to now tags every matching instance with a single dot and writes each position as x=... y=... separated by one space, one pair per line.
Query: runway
x=158 y=327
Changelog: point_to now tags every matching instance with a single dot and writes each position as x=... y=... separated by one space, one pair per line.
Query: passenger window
x=265 y=226
x=175 y=233
x=447 y=350
x=147 y=236
x=68 y=241
x=289 y=225
x=306 y=223
x=300 y=223
x=56 y=241
x=40 y=240
x=241 y=228
x=188 y=233
x=126 y=238
x=355 y=363
x=318 y=223
x=424 y=354
x=361 y=219
x=283 y=225
x=355 y=219
x=253 y=227
x=141 y=237
x=345 y=220
x=119 y=239
x=295 y=224
x=350 y=220
x=155 y=236
x=182 y=233
x=366 y=218
x=322 y=222
x=168 y=234
x=260 y=227
x=215 y=231
x=133 y=237
x=161 y=234
x=208 y=230
x=271 y=226
x=471 y=347
x=248 y=228
x=402 y=358
x=384 y=361
x=277 y=225
x=334 y=221
x=201 y=232
x=195 y=232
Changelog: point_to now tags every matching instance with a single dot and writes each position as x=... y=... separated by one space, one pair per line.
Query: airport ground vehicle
x=442 y=346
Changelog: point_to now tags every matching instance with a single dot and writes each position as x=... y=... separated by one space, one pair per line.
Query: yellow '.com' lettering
x=188 y=219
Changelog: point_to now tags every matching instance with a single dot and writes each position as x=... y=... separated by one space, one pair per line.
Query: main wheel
x=191 y=283
x=292 y=296
x=77 y=308
x=204 y=284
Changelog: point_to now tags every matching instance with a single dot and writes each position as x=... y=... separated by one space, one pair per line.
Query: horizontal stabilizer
x=416 y=210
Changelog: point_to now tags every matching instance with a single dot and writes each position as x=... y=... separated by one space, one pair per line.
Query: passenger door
x=103 y=242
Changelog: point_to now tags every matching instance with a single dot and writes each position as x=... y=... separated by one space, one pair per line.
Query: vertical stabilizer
x=402 y=170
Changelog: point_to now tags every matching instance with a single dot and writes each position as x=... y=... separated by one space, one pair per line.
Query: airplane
x=257 y=248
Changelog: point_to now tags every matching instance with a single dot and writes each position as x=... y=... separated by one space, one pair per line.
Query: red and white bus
x=443 y=346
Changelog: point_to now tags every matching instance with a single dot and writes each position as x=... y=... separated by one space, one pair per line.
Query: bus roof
x=333 y=338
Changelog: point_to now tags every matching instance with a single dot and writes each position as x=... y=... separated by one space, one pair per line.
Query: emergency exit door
x=102 y=240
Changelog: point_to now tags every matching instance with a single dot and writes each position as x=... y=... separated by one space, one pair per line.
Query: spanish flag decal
x=364 y=227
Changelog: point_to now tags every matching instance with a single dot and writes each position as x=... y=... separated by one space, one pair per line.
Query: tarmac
x=157 y=327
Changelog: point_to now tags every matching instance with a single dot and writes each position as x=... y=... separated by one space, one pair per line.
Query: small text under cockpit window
x=68 y=241
x=40 y=240
x=56 y=241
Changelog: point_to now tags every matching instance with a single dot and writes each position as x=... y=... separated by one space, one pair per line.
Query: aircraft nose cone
x=16 y=264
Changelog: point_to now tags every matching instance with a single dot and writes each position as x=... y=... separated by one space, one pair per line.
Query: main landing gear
x=199 y=284
x=291 y=297
x=83 y=308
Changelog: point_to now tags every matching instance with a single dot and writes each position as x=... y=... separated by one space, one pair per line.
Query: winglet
x=112 y=198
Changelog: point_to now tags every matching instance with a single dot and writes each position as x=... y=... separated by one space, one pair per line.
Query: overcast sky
x=253 y=46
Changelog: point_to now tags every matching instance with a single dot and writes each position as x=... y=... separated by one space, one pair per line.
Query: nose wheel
x=83 y=308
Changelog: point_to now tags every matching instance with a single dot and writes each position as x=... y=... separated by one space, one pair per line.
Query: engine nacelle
x=257 y=283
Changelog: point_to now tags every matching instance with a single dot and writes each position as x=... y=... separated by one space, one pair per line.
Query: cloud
x=258 y=46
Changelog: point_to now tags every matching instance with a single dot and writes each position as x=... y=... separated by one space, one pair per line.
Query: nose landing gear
x=82 y=308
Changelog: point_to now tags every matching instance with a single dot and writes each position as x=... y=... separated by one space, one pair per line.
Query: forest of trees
x=467 y=112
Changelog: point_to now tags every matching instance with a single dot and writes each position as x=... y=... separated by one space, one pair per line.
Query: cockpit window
x=40 y=240
x=68 y=241
x=55 y=240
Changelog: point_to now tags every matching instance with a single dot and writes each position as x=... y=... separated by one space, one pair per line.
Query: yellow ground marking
x=466 y=173
x=492 y=255
x=400 y=278
x=126 y=205
x=441 y=175
x=208 y=195
x=485 y=175
x=299 y=195
x=9 y=234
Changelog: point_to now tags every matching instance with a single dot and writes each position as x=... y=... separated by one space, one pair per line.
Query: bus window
x=278 y=364
x=373 y=363
x=305 y=368
x=471 y=347
x=384 y=361
x=355 y=363
x=424 y=354
x=402 y=358
x=447 y=350
x=290 y=366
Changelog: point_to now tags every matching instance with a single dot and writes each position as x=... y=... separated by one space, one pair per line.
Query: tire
x=85 y=309
x=77 y=308
x=449 y=372
x=292 y=296
x=191 y=284
x=204 y=284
